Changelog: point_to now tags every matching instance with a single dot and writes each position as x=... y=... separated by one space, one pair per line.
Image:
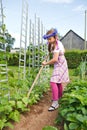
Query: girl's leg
x=60 y=90
x=54 y=88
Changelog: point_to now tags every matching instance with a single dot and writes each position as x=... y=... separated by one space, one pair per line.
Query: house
x=14 y=50
x=71 y=40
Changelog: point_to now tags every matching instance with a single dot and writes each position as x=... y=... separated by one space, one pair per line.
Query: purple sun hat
x=50 y=35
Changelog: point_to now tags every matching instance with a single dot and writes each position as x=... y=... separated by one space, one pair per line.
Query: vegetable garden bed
x=13 y=96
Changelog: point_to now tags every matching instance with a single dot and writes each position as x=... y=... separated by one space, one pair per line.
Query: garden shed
x=71 y=40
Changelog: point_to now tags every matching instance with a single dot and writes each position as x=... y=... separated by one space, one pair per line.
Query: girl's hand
x=44 y=63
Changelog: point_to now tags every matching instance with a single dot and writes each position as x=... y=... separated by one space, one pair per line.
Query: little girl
x=60 y=73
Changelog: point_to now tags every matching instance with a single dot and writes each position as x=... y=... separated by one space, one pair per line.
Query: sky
x=60 y=14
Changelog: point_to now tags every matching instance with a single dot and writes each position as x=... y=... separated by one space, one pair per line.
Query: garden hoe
x=30 y=90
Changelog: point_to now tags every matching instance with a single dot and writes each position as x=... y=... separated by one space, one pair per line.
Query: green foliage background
x=73 y=57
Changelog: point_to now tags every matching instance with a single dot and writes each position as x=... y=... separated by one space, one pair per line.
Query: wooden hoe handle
x=30 y=90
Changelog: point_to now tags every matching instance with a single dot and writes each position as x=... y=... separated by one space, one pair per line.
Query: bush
x=74 y=58
x=13 y=60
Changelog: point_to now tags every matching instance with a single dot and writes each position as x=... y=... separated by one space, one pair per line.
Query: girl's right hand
x=44 y=63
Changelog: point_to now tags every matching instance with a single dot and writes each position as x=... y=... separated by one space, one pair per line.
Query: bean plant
x=13 y=96
x=72 y=113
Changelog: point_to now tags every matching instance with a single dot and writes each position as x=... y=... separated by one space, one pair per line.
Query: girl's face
x=51 y=40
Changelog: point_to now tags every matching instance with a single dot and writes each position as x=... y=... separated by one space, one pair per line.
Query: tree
x=10 y=41
x=5 y=37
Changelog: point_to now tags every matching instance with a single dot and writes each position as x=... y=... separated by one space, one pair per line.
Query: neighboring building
x=14 y=50
x=72 y=41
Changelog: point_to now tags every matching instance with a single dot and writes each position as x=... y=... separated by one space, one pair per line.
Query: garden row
x=13 y=95
x=72 y=113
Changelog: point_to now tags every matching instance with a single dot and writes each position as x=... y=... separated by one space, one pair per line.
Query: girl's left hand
x=44 y=63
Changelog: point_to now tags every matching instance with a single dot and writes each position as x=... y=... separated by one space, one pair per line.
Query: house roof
x=73 y=32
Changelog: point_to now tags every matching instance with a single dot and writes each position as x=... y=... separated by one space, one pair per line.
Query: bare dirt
x=38 y=116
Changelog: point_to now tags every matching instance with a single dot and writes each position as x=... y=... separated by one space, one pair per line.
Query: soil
x=38 y=116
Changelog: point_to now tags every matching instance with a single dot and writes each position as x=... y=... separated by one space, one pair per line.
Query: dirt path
x=38 y=117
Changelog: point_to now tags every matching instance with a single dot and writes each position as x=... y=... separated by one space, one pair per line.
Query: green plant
x=49 y=128
x=13 y=95
x=81 y=71
x=73 y=105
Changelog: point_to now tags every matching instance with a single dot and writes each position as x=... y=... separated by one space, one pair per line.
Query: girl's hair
x=51 y=47
x=51 y=31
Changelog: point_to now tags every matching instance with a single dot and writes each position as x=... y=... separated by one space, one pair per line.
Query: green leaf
x=1 y=108
x=15 y=116
x=80 y=118
x=25 y=100
x=4 y=101
x=20 y=104
x=9 y=125
x=84 y=111
x=49 y=128
x=12 y=103
x=65 y=126
x=7 y=109
x=70 y=117
x=2 y=123
x=73 y=126
x=80 y=98
x=64 y=112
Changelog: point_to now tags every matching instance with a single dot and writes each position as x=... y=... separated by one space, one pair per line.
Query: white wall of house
x=14 y=50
